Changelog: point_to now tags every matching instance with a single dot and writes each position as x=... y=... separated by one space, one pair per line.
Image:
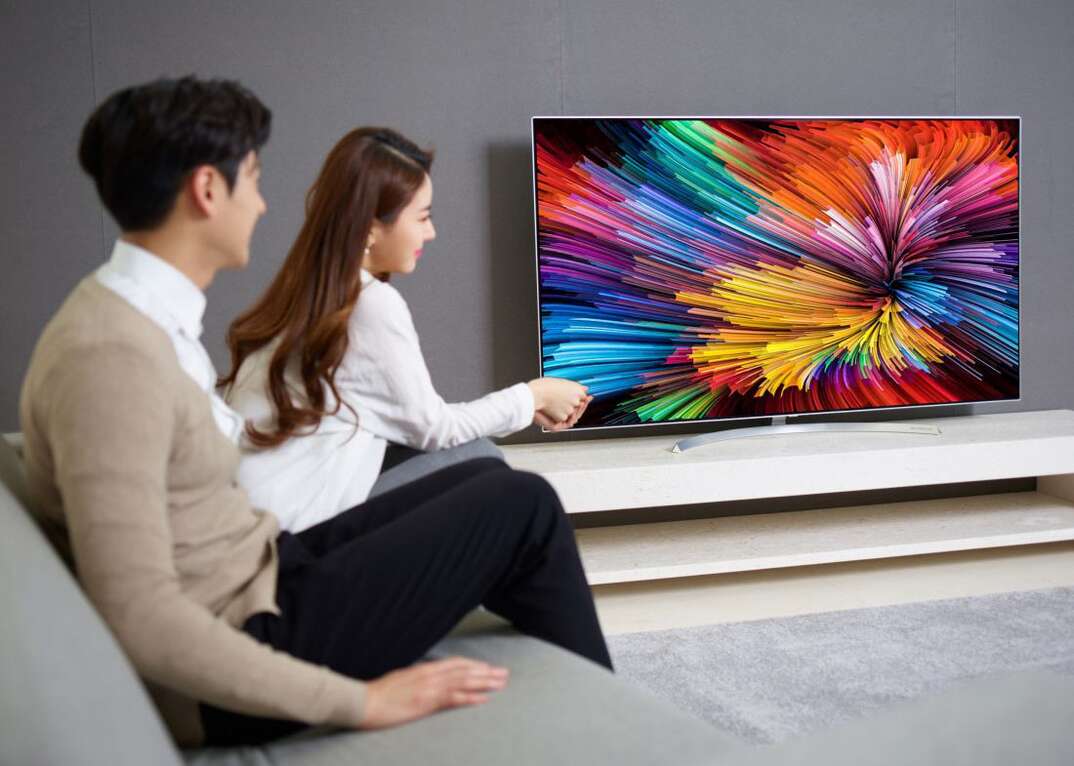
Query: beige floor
x=684 y=602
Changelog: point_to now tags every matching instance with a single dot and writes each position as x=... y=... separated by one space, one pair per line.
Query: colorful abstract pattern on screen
x=695 y=269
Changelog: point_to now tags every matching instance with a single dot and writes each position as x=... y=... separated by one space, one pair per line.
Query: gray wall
x=466 y=77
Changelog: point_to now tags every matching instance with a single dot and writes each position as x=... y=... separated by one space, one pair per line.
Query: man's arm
x=110 y=425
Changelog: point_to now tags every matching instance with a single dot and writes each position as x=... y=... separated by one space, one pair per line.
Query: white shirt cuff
x=524 y=405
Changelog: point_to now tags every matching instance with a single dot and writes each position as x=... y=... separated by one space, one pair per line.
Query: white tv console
x=614 y=474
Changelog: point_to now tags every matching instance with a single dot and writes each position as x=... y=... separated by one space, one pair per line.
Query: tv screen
x=696 y=269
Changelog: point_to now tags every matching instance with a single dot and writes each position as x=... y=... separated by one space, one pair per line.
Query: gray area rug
x=767 y=680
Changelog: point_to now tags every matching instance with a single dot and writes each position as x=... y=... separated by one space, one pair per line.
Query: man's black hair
x=140 y=144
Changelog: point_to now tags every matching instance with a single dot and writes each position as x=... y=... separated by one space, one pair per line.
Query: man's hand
x=422 y=689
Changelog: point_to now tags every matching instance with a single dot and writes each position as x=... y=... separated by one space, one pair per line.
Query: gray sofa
x=69 y=696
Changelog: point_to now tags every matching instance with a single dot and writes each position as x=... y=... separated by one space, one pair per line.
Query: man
x=244 y=634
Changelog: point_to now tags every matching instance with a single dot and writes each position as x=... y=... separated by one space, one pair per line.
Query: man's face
x=239 y=212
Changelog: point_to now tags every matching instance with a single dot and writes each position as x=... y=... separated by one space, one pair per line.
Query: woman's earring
x=369 y=245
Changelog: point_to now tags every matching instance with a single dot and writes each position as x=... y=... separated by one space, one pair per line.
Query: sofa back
x=68 y=694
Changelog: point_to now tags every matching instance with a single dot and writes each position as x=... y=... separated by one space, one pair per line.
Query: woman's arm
x=385 y=378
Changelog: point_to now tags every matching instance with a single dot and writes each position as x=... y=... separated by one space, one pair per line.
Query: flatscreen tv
x=715 y=268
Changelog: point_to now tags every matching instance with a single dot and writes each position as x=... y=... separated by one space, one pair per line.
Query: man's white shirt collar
x=169 y=298
x=170 y=291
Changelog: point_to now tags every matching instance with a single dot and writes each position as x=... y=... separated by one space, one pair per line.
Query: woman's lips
x=417 y=254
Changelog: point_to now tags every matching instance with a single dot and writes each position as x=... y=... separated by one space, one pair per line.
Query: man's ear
x=202 y=188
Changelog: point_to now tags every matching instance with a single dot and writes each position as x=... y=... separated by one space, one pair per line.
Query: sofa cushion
x=68 y=695
x=558 y=708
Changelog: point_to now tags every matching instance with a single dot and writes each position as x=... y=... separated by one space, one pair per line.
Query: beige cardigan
x=136 y=482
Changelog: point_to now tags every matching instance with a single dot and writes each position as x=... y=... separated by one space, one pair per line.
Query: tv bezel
x=786 y=415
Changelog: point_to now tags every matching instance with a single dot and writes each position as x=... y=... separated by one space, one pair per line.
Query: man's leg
x=499 y=538
x=381 y=600
x=387 y=507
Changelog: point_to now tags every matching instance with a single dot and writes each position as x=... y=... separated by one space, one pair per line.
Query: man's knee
x=476 y=465
x=530 y=494
x=537 y=485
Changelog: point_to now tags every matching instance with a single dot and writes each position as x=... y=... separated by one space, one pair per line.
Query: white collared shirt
x=176 y=304
x=383 y=377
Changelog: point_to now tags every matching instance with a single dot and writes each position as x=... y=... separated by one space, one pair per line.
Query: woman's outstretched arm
x=385 y=378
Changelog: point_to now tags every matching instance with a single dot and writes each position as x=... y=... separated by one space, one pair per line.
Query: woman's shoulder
x=379 y=303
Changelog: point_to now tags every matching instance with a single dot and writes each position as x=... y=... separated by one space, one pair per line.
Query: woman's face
x=397 y=246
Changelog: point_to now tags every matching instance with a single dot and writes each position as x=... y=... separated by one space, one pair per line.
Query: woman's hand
x=422 y=689
x=556 y=398
x=546 y=422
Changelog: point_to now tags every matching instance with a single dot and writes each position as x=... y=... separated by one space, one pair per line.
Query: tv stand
x=779 y=425
x=635 y=473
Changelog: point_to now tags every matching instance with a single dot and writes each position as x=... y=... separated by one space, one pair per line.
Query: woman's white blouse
x=383 y=377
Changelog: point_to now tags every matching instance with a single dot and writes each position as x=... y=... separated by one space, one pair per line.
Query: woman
x=401 y=569
x=327 y=367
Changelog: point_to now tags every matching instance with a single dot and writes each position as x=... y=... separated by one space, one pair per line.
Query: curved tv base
x=780 y=428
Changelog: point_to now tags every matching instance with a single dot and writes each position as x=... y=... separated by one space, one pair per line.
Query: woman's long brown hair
x=371 y=174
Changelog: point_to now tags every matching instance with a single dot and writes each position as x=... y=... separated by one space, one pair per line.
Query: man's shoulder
x=93 y=316
x=98 y=356
x=97 y=329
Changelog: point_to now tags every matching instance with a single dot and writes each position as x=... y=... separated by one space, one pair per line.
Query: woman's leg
x=382 y=599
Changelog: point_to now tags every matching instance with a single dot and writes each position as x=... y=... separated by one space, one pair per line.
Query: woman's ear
x=376 y=231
